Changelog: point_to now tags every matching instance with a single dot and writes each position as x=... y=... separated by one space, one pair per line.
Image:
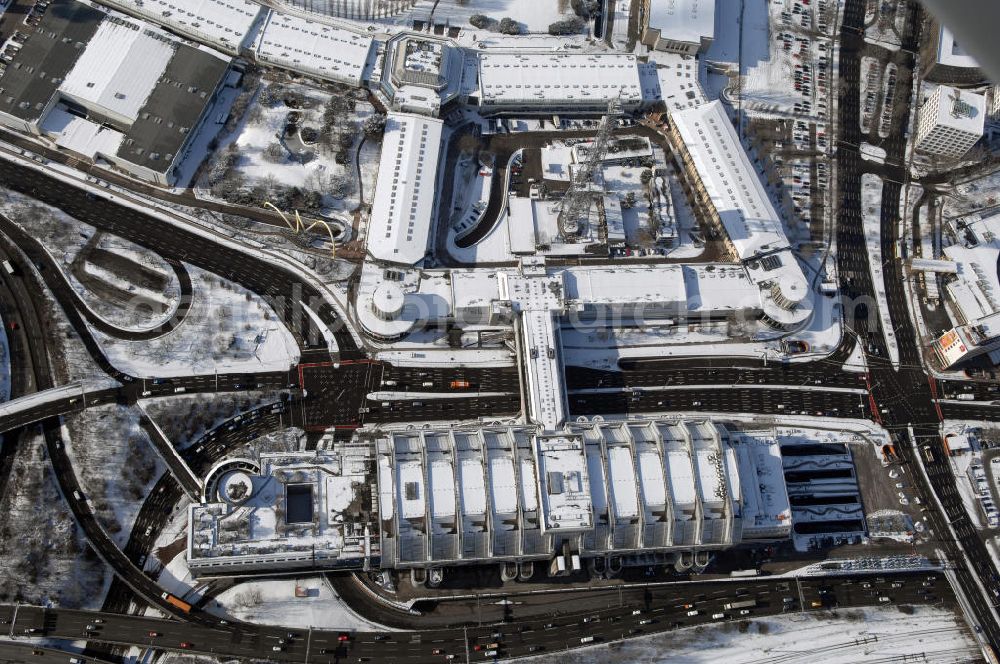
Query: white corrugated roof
x=732 y=184
x=683 y=20
x=119 y=68
x=400 y=223
x=327 y=51
x=578 y=77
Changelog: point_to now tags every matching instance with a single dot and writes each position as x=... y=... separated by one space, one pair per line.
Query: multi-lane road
x=555 y=622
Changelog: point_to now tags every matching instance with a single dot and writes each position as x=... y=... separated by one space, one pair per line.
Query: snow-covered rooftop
x=976 y=290
x=225 y=22
x=405 y=192
x=750 y=220
x=617 y=285
x=683 y=20
x=326 y=51
x=760 y=468
x=539 y=299
x=300 y=509
x=118 y=68
x=80 y=135
x=950 y=53
x=958 y=109
x=564 y=486
x=577 y=78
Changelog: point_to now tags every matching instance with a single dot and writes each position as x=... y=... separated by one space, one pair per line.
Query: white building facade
x=950 y=122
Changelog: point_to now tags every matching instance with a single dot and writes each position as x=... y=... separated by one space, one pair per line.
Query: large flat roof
x=950 y=53
x=118 y=68
x=225 y=21
x=729 y=179
x=620 y=285
x=304 y=45
x=47 y=55
x=401 y=217
x=173 y=108
x=559 y=77
x=683 y=20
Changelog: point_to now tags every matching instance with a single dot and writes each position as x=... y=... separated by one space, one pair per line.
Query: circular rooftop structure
x=387 y=301
x=790 y=291
x=235 y=487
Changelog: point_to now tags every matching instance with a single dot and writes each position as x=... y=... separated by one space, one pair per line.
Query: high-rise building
x=950 y=122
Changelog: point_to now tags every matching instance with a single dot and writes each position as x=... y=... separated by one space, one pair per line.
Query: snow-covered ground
x=115 y=464
x=273 y=602
x=972 y=196
x=133 y=306
x=43 y=556
x=882 y=31
x=927 y=634
x=263 y=125
x=228 y=329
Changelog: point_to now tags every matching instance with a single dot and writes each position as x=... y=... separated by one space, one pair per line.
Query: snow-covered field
x=228 y=329
x=928 y=634
x=43 y=557
x=115 y=464
x=273 y=602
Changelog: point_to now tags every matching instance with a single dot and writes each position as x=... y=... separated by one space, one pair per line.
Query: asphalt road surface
x=605 y=616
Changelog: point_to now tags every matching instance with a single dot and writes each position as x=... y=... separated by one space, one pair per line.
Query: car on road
x=153 y=635
x=186 y=645
x=439 y=651
x=692 y=612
